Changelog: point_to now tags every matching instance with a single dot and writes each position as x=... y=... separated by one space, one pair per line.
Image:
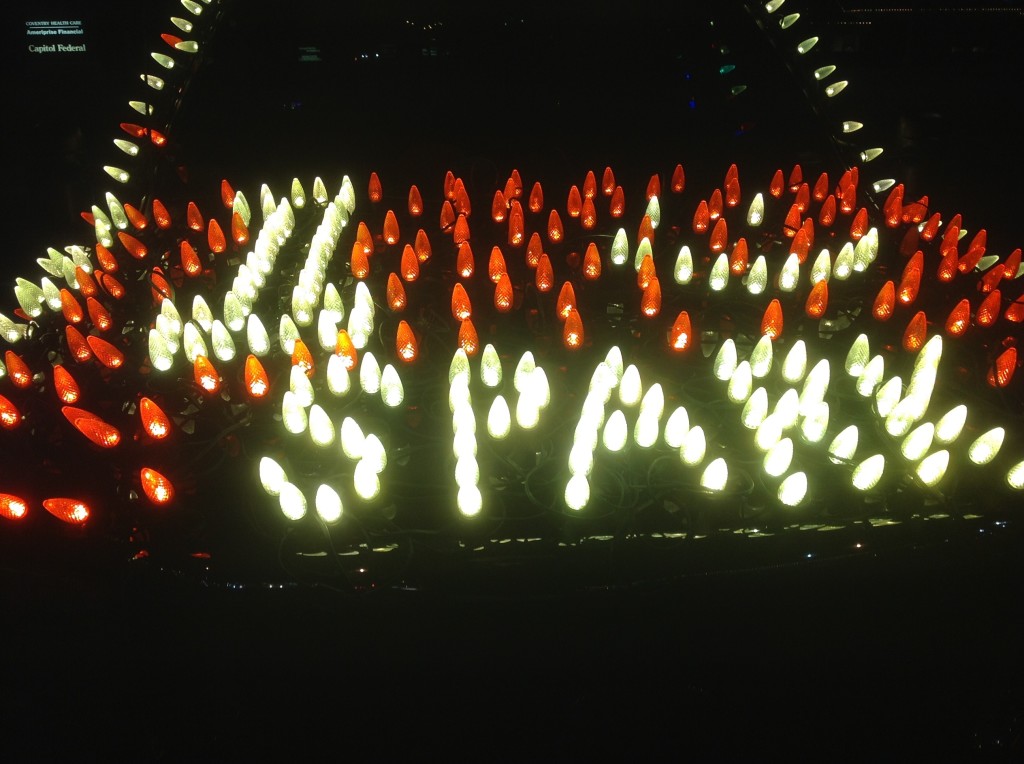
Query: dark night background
x=909 y=648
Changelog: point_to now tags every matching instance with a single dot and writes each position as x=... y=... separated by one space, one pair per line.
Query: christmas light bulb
x=321 y=428
x=490 y=367
x=761 y=357
x=469 y=501
x=757 y=276
x=630 y=386
x=620 y=248
x=715 y=476
x=718 y=278
x=933 y=468
x=523 y=371
x=984 y=449
x=755 y=213
x=194 y=343
x=871 y=377
x=616 y=432
x=755 y=409
x=740 y=383
x=499 y=419
x=814 y=424
x=844 y=445
x=369 y=374
x=223 y=345
x=917 y=443
x=868 y=473
x=950 y=425
x=676 y=427
x=365 y=481
x=682 y=272
x=328 y=504
x=778 y=458
x=795 y=363
x=691 y=453
x=338 y=382
x=577 y=492
x=845 y=262
x=352 y=438
x=292 y=502
x=789 y=277
x=293 y=415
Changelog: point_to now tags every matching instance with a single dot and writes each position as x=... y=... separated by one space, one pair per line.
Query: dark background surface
x=911 y=647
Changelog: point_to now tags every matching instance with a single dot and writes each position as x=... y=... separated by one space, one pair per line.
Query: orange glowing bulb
x=988 y=311
x=796 y=177
x=607 y=182
x=681 y=333
x=892 y=210
x=449 y=186
x=848 y=198
x=992 y=279
x=910 y=283
x=653 y=187
x=239 y=231
x=827 y=215
x=778 y=185
x=650 y=300
x=18 y=370
x=1003 y=369
x=516 y=225
x=194 y=217
x=800 y=245
x=701 y=218
x=10 y=416
x=646 y=272
x=98 y=314
x=1012 y=265
x=1015 y=313
x=158 y=489
x=503 y=295
x=390 y=233
x=65 y=385
x=931 y=228
x=161 y=215
x=302 y=358
x=410 y=264
x=817 y=300
x=915 y=212
x=106 y=259
x=715 y=204
x=364 y=238
x=820 y=188
x=73 y=312
x=732 y=193
x=739 y=258
x=496 y=264
x=257 y=383
x=157 y=138
x=646 y=230
x=731 y=174
x=105 y=352
x=406 y=346
x=544 y=275
x=592 y=263
x=572 y=332
x=85 y=283
x=468 y=338
x=154 y=421
x=534 y=249
x=566 y=300
x=347 y=350
x=462 y=308
x=555 y=230
x=588 y=216
x=536 y=200
x=12 y=507
x=771 y=322
x=71 y=511
x=100 y=433
x=859 y=226
x=948 y=266
x=77 y=346
x=190 y=260
x=885 y=302
x=374 y=188
x=678 y=180
x=617 y=206
x=970 y=261
x=952 y=234
x=719 y=236
x=396 y=293
x=499 y=207
x=464 y=262
x=359 y=263
x=590 y=185
x=914 y=336
x=415 y=205
x=574 y=204
x=422 y=246
x=517 y=183
x=792 y=222
x=959 y=319
x=460 y=234
x=447 y=217
x=227 y=194
x=135 y=247
x=461 y=201
x=215 y=237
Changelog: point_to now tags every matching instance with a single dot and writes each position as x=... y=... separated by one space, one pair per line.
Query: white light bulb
x=845 y=262
x=616 y=431
x=950 y=425
x=682 y=272
x=676 y=427
x=858 y=356
x=581 y=459
x=694 y=447
x=467 y=471
x=577 y=492
x=392 y=392
x=740 y=383
x=499 y=419
x=365 y=481
x=328 y=504
x=821 y=270
x=755 y=214
x=620 y=248
x=321 y=428
x=888 y=396
x=292 y=502
x=642 y=251
x=768 y=433
x=872 y=375
x=490 y=367
x=715 y=476
x=867 y=474
x=793 y=489
x=757 y=276
x=352 y=438
x=984 y=449
x=815 y=423
x=369 y=374
x=645 y=430
x=630 y=386
x=933 y=467
x=789 y=277
x=844 y=445
x=761 y=357
x=272 y=476
x=755 y=409
x=778 y=458
x=470 y=501
x=725 y=361
x=718 y=278
x=338 y=382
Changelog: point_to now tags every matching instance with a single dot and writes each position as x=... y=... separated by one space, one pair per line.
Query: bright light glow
x=369 y=374
x=682 y=272
x=917 y=443
x=694 y=447
x=844 y=445
x=653 y=402
x=718 y=279
x=195 y=345
x=620 y=248
x=288 y=333
x=725 y=361
x=755 y=214
x=272 y=476
x=499 y=419
x=490 y=367
x=740 y=383
x=857 y=358
x=577 y=492
x=676 y=427
x=769 y=432
x=867 y=474
x=778 y=458
x=888 y=396
x=901 y=418
x=646 y=429
x=868 y=154
x=845 y=262
x=933 y=467
x=467 y=471
x=835 y=89
x=352 y=438
x=821 y=270
x=787 y=408
x=374 y=453
x=851 y=126
x=806 y=45
x=328 y=504
x=616 y=431
x=716 y=475
x=470 y=501
x=950 y=425
x=326 y=330
x=755 y=409
x=761 y=357
x=795 y=364
x=293 y=415
x=823 y=71
x=581 y=458
x=642 y=251
x=223 y=345
x=523 y=372
x=300 y=386
x=793 y=489
x=815 y=423
x=392 y=392
x=321 y=428
x=338 y=382
x=527 y=409
x=159 y=354
x=1015 y=476
x=630 y=386
x=871 y=376
x=789 y=277
x=757 y=276
x=365 y=481
x=292 y=502
x=984 y=449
